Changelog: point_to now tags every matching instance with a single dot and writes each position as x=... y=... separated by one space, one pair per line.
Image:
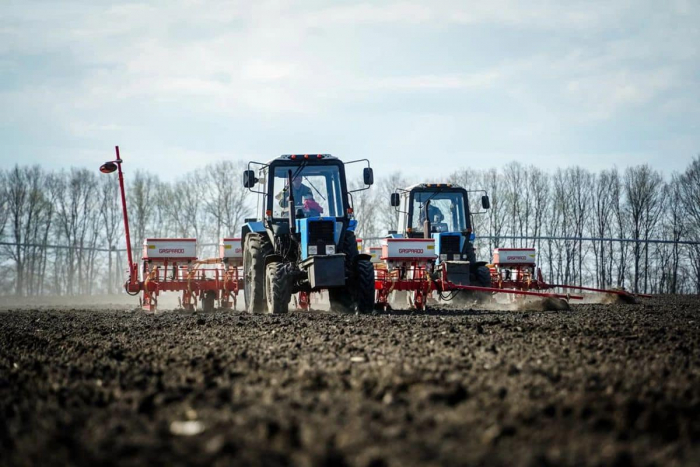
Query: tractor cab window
x=446 y=210
x=317 y=191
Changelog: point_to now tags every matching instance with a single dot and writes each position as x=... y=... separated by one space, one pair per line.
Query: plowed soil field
x=612 y=384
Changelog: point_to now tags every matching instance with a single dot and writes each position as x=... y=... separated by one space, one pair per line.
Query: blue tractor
x=441 y=211
x=303 y=240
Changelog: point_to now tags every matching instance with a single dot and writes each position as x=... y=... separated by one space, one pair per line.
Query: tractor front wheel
x=364 y=286
x=278 y=288
x=483 y=277
x=254 y=254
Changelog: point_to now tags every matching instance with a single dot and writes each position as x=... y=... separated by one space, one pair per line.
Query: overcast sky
x=424 y=87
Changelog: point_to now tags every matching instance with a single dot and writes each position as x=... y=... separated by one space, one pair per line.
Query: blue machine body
x=438 y=243
x=462 y=240
x=254 y=226
x=303 y=229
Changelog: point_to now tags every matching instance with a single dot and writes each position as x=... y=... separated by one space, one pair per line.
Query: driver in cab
x=303 y=198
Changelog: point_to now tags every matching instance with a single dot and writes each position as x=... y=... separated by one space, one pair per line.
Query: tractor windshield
x=447 y=211
x=316 y=188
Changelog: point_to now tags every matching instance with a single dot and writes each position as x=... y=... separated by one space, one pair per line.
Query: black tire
x=364 y=286
x=278 y=288
x=208 y=301
x=483 y=277
x=254 y=253
x=471 y=252
x=349 y=247
x=341 y=298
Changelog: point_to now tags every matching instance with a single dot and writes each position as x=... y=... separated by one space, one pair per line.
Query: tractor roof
x=301 y=157
x=432 y=185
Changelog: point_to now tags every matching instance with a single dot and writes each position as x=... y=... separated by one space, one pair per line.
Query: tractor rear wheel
x=342 y=299
x=364 y=286
x=254 y=253
x=278 y=288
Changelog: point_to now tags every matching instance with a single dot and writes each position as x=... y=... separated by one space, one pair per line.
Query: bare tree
x=690 y=194
x=581 y=188
x=643 y=188
x=389 y=217
x=366 y=208
x=493 y=183
x=559 y=252
x=225 y=197
x=515 y=196
x=622 y=227
x=602 y=224
x=76 y=211
x=141 y=199
x=111 y=216
x=18 y=192
x=675 y=229
x=4 y=203
x=26 y=203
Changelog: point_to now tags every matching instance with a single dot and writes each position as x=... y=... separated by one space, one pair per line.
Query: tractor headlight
x=443 y=257
x=330 y=249
x=313 y=250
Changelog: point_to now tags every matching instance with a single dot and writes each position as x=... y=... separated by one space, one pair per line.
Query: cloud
x=505 y=75
x=426 y=82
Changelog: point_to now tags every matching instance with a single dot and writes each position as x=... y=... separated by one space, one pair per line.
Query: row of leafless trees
x=63 y=231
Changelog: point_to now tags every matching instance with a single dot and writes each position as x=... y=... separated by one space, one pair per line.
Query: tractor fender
x=248 y=227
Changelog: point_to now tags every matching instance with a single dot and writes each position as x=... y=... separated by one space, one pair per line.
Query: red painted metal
x=591 y=289
x=193 y=281
x=420 y=278
x=132 y=266
x=452 y=287
x=304 y=301
x=170 y=275
x=173 y=239
x=417 y=281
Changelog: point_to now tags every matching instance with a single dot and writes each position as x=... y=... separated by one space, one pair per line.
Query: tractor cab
x=440 y=211
x=303 y=238
x=441 y=208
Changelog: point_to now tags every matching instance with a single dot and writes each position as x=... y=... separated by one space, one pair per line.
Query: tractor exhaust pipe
x=426 y=222
x=290 y=204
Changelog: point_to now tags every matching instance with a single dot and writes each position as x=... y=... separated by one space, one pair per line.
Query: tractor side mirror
x=395 y=201
x=485 y=203
x=249 y=179
x=368 y=175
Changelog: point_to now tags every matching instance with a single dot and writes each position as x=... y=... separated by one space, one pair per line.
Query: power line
x=60 y=247
x=591 y=239
x=585 y=239
x=490 y=237
x=76 y=247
